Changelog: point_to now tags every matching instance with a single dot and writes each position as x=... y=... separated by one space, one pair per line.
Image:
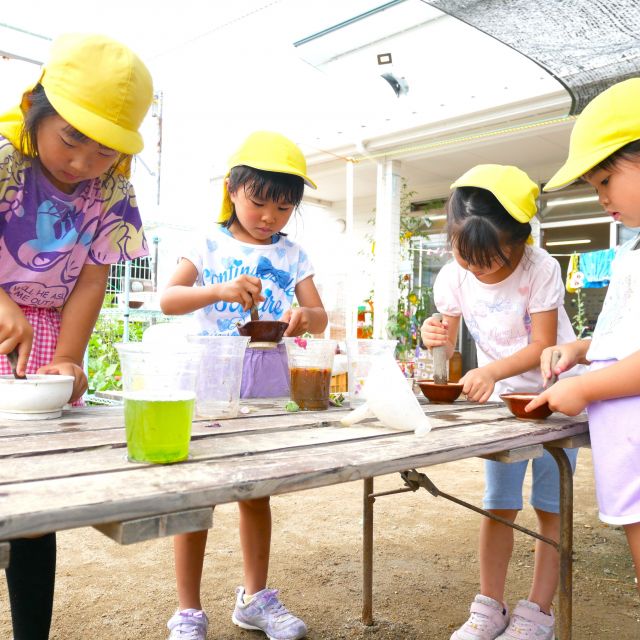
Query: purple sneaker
x=266 y=613
x=189 y=624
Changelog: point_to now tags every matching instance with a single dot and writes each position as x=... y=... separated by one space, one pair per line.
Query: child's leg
x=633 y=538
x=31 y=580
x=496 y=547
x=547 y=562
x=188 y=551
x=255 y=539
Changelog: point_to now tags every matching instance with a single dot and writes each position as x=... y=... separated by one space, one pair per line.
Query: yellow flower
x=413 y=298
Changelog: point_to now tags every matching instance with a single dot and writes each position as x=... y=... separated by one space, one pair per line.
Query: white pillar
x=387 y=238
x=351 y=302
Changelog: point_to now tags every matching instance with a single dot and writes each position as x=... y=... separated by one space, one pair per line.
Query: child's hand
x=64 y=368
x=566 y=396
x=298 y=319
x=244 y=289
x=570 y=355
x=15 y=331
x=478 y=384
x=434 y=333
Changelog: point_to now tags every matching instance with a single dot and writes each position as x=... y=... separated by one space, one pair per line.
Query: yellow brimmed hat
x=98 y=85
x=513 y=188
x=268 y=151
x=610 y=121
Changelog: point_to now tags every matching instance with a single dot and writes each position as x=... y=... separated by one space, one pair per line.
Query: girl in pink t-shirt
x=67 y=210
x=510 y=295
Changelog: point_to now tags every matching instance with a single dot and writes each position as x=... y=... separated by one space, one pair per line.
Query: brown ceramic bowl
x=440 y=393
x=516 y=402
x=263 y=330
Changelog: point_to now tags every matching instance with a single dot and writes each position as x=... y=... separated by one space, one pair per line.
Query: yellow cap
x=610 y=121
x=99 y=86
x=513 y=188
x=267 y=151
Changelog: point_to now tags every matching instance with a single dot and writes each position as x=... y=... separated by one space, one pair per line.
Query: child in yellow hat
x=68 y=212
x=511 y=296
x=247 y=260
x=605 y=152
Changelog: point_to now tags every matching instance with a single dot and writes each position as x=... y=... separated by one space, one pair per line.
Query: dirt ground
x=425 y=568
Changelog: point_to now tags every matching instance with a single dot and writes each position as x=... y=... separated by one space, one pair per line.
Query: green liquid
x=158 y=430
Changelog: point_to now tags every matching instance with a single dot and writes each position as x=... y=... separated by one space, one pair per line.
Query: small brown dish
x=263 y=330
x=516 y=402
x=440 y=393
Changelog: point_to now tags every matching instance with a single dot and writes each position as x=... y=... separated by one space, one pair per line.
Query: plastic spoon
x=13 y=361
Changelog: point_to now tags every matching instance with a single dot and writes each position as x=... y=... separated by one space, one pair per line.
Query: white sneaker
x=488 y=619
x=529 y=623
x=188 y=624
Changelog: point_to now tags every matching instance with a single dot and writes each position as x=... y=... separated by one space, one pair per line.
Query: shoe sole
x=250 y=627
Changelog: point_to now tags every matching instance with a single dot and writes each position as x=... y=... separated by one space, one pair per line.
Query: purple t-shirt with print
x=47 y=236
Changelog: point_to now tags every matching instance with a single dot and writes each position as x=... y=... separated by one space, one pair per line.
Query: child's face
x=68 y=161
x=258 y=218
x=497 y=271
x=618 y=190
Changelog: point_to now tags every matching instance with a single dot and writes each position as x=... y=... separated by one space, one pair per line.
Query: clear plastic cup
x=360 y=356
x=220 y=376
x=310 y=364
x=159 y=392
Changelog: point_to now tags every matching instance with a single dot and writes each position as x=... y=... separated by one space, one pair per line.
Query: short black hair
x=266 y=185
x=480 y=226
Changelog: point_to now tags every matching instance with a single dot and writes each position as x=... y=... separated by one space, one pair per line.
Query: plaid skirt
x=46 y=329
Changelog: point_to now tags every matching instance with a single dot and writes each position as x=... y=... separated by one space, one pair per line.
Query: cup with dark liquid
x=310 y=364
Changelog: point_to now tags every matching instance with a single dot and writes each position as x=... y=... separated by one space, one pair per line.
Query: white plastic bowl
x=36 y=398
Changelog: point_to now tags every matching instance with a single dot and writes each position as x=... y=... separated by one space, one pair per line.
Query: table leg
x=4 y=554
x=367 y=552
x=565 y=590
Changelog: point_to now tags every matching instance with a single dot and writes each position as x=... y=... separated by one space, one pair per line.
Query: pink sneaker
x=529 y=623
x=488 y=619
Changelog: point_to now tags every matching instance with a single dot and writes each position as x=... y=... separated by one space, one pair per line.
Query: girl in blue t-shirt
x=248 y=261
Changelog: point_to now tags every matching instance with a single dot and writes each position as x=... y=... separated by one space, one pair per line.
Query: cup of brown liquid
x=310 y=364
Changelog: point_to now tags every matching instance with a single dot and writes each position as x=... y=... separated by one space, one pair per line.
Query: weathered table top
x=73 y=471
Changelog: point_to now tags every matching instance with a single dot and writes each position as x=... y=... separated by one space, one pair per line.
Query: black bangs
x=267 y=185
x=478 y=244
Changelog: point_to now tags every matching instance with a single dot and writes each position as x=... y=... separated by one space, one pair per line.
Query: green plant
x=104 y=365
x=579 y=318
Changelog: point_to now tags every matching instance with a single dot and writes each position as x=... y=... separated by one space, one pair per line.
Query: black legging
x=31 y=578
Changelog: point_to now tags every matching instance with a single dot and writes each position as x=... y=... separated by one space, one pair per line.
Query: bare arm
x=310 y=315
x=79 y=316
x=15 y=330
x=180 y=296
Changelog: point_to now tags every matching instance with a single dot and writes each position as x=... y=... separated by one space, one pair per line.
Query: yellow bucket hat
x=610 y=121
x=98 y=85
x=267 y=151
x=513 y=188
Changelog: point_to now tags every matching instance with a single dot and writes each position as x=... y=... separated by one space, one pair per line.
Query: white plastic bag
x=389 y=399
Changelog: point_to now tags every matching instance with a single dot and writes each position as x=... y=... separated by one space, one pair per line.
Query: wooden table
x=73 y=472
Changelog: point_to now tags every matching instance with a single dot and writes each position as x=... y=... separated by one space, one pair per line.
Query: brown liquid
x=310 y=388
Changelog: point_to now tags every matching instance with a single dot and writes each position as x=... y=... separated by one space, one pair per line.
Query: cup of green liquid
x=159 y=392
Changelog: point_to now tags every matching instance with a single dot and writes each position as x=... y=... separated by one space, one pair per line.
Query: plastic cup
x=310 y=364
x=361 y=354
x=159 y=392
x=220 y=376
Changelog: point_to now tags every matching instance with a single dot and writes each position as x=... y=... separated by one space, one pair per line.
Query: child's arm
x=180 y=296
x=479 y=383
x=437 y=334
x=310 y=315
x=571 y=354
x=572 y=395
x=79 y=316
x=15 y=330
